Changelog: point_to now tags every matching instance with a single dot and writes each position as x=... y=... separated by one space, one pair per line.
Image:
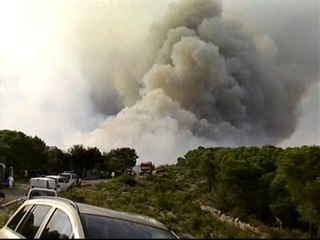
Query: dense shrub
x=127 y=180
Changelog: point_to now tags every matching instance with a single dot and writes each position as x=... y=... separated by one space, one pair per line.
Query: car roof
x=49 y=200
x=66 y=173
x=42 y=178
x=53 y=176
x=94 y=210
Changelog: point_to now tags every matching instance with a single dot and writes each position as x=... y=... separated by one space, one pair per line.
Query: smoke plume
x=201 y=77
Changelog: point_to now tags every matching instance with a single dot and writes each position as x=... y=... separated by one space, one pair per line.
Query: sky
x=162 y=77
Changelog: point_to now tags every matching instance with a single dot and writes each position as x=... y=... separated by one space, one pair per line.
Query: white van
x=72 y=179
x=44 y=182
x=62 y=182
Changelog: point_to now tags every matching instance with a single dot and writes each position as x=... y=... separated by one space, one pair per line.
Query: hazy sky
x=163 y=76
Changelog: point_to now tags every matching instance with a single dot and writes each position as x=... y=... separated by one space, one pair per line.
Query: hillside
x=264 y=186
x=177 y=199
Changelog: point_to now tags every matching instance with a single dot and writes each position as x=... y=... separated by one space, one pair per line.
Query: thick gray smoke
x=201 y=77
x=230 y=79
x=206 y=79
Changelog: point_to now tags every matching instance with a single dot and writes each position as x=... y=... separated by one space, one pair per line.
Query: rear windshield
x=66 y=177
x=62 y=180
x=105 y=227
x=36 y=193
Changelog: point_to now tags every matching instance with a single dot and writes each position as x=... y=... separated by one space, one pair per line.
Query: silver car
x=55 y=217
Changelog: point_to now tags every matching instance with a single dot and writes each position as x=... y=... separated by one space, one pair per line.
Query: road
x=19 y=190
x=14 y=193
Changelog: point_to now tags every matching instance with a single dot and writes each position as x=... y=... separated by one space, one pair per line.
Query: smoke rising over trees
x=201 y=76
x=210 y=81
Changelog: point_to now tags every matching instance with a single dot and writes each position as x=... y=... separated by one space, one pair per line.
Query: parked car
x=43 y=182
x=55 y=217
x=129 y=172
x=72 y=178
x=62 y=182
x=36 y=192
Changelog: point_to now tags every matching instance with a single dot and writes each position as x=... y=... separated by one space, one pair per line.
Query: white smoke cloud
x=107 y=74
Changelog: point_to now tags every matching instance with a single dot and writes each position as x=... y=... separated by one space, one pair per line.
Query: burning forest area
x=202 y=113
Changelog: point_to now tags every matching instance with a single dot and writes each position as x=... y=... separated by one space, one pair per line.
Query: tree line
x=280 y=187
x=23 y=152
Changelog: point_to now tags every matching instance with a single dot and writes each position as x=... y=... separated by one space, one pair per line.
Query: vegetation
x=31 y=153
x=179 y=199
x=210 y=192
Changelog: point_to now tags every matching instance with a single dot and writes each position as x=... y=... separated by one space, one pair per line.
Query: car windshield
x=106 y=227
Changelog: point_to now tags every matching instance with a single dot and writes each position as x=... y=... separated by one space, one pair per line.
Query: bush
x=149 y=177
x=74 y=196
x=165 y=200
x=196 y=223
x=127 y=180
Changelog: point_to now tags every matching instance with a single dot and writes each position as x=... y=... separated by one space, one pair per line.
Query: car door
x=63 y=184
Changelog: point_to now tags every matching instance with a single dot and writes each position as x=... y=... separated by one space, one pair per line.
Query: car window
x=59 y=226
x=33 y=220
x=105 y=227
x=61 y=180
x=36 y=193
x=17 y=217
x=67 y=177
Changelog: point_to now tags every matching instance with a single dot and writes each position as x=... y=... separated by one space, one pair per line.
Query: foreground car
x=54 y=217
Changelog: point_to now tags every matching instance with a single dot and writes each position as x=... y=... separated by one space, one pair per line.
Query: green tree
x=119 y=159
x=300 y=169
x=93 y=159
x=57 y=160
x=77 y=154
x=22 y=152
x=281 y=204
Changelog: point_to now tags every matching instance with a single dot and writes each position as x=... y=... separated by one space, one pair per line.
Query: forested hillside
x=273 y=185
x=276 y=189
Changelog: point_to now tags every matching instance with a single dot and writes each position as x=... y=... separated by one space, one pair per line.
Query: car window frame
x=29 y=208
x=73 y=215
x=50 y=218
x=77 y=231
x=55 y=193
x=43 y=221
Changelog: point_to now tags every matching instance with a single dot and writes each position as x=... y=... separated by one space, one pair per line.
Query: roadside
x=17 y=191
x=20 y=189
